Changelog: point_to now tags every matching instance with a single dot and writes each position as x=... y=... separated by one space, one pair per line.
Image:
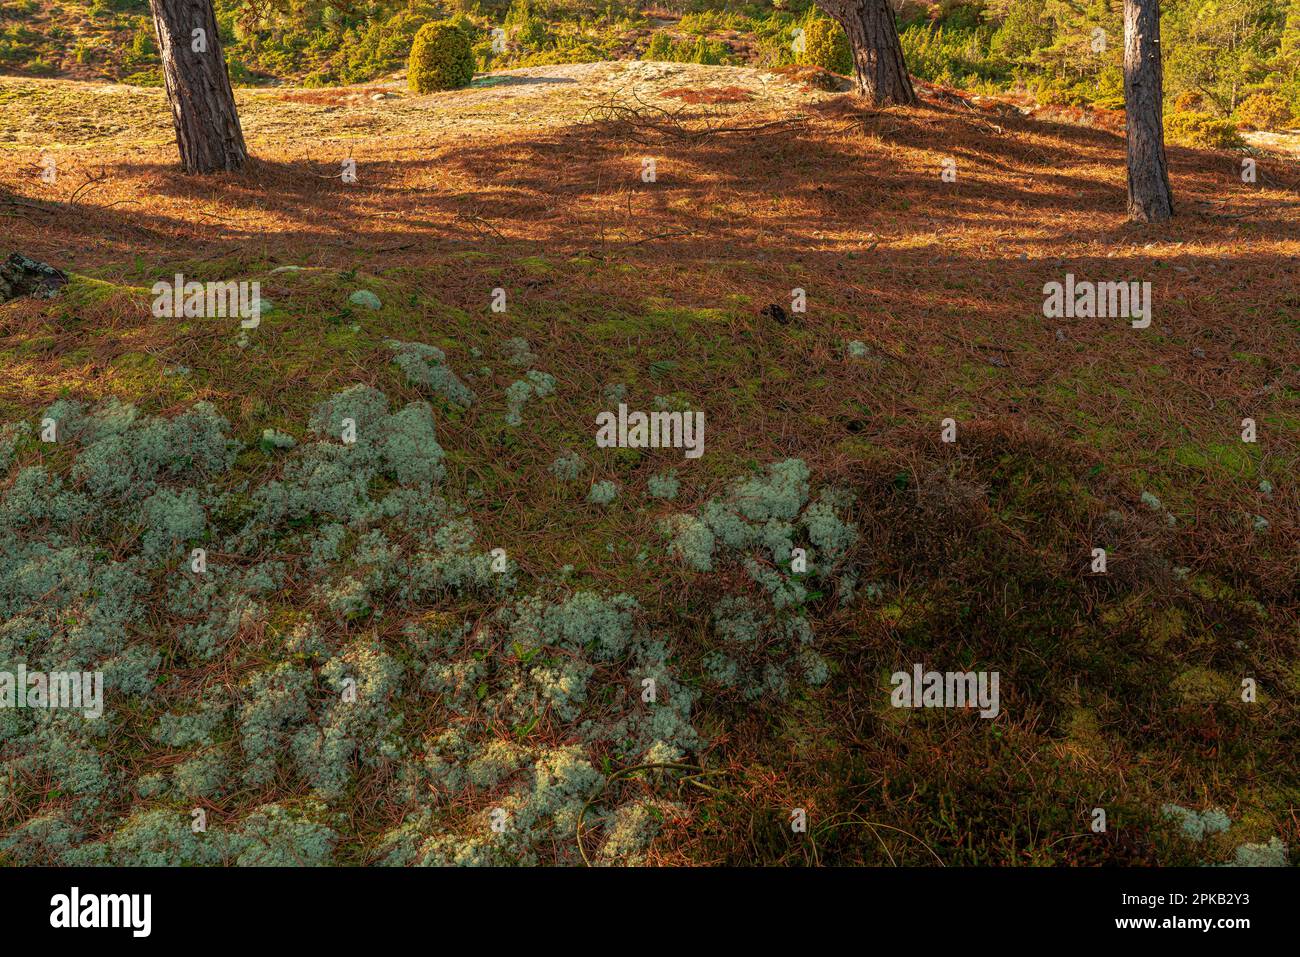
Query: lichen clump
x=788 y=543
x=345 y=628
x=566 y=467
x=534 y=384
x=602 y=493
x=664 y=485
x=426 y=366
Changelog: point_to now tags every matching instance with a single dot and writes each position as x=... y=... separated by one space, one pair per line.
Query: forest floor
x=1119 y=691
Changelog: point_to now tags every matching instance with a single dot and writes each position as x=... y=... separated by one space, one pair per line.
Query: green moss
x=1232 y=459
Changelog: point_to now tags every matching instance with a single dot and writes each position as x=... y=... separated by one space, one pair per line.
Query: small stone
x=20 y=276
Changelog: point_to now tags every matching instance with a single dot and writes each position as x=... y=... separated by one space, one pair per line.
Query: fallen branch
x=642 y=120
x=479 y=223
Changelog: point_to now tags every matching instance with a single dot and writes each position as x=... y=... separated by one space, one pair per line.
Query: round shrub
x=442 y=58
x=1201 y=131
x=1263 y=111
x=826 y=46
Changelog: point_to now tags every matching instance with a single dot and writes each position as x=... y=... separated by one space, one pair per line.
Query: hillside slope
x=924 y=303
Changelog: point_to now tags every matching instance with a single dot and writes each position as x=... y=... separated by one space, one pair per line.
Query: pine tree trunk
x=1149 y=197
x=878 y=63
x=203 y=105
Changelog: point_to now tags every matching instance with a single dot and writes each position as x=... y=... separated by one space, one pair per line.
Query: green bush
x=704 y=22
x=106 y=8
x=1201 y=131
x=700 y=50
x=320 y=78
x=383 y=47
x=1110 y=88
x=566 y=51
x=1264 y=111
x=661 y=47
x=825 y=45
x=150 y=77
x=442 y=58
x=953 y=56
x=144 y=44
x=711 y=52
x=525 y=28
x=240 y=75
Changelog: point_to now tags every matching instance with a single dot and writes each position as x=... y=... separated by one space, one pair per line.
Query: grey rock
x=20 y=276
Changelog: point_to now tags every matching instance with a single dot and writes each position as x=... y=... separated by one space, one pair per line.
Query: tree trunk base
x=208 y=134
x=878 y=66
x=1150 y=200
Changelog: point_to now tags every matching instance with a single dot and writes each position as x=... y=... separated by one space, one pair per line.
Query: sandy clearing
x=54 y=113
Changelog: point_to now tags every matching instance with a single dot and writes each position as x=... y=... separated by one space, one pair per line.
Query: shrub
x=382 y=48
x=442 y=58
x=709 y=52
x=1201 y=131
x=661 y=47
x=951 y=54
x=1263 y=111
x=526 y=29
x=825 y=45
x=664 y=48
x=144 y=46
x=704 y=22
x=40 y=67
